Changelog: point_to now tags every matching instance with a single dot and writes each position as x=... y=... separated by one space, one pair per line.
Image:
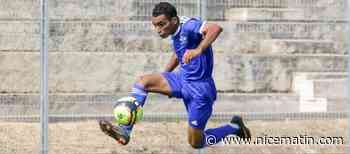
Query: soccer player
x=193 y=83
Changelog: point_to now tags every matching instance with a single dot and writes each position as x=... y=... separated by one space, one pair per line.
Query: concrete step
x=331 y=88
x=138 y=36
x=145 y=27
x=67 y=10
x=253 y=37
x=321 y=75
x=89 y=72
x=267 y=43
x=141 y=10
x=227 y=10
x=284 y=3
x=246 y=43
x=329 y=85
x=297 y=46
x=269 y=73
x=95 y=36
x=90 y=10
x=255 y=14
x=285 y=14
x=283 y=27
x=102 y=104
x=285 y=30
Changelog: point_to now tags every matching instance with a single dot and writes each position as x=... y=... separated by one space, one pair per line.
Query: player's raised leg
x=147 y=83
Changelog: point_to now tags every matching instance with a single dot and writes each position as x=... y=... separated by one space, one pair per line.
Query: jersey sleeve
x=194 y=27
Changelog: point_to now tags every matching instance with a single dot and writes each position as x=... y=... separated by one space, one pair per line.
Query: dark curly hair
x=164 y=8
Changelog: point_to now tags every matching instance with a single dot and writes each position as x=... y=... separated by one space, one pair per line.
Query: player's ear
x=174 y=20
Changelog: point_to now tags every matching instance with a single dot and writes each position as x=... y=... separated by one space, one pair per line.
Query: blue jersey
x=194 y=82
x=188 y=36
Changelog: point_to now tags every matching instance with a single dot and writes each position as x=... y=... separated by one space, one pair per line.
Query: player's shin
x=139 y=93
x=215 y=135
x=127 y=112
x=128 y=128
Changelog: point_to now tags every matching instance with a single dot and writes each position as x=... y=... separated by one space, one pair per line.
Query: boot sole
x=113 y=132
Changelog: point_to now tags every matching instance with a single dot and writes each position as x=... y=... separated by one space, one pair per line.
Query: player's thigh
x=155 y=83
x=199 y=113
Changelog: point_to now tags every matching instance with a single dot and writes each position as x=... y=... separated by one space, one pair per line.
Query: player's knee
x=196 y=145
x=150 y=82
x=195 y=137
x=143 y=80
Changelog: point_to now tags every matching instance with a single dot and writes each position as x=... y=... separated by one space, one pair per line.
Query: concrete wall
x=73 y=72
x=98 y=47
x=237 y=37
x=141 y=10
x=67 y=10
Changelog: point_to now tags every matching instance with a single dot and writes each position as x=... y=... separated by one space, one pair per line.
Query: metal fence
x=281 y=64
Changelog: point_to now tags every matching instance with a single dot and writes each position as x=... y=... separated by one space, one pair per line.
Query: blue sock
x=128 y=128
x=139 y=92
x=215 y=135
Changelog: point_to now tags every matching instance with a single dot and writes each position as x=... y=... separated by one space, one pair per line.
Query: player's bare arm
x=173 y=63
x=210 y=32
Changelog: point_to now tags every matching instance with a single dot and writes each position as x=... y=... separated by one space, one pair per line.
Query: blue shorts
x=198 y=97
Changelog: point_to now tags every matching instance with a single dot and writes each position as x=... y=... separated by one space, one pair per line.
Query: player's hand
x=190 y=54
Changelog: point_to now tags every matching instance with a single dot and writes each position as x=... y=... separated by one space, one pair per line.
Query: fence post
x=199 y=8
x=347 y=2
x=44 y=76
x=202 y=9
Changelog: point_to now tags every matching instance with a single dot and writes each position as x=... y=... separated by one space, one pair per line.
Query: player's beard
x=163 y=36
